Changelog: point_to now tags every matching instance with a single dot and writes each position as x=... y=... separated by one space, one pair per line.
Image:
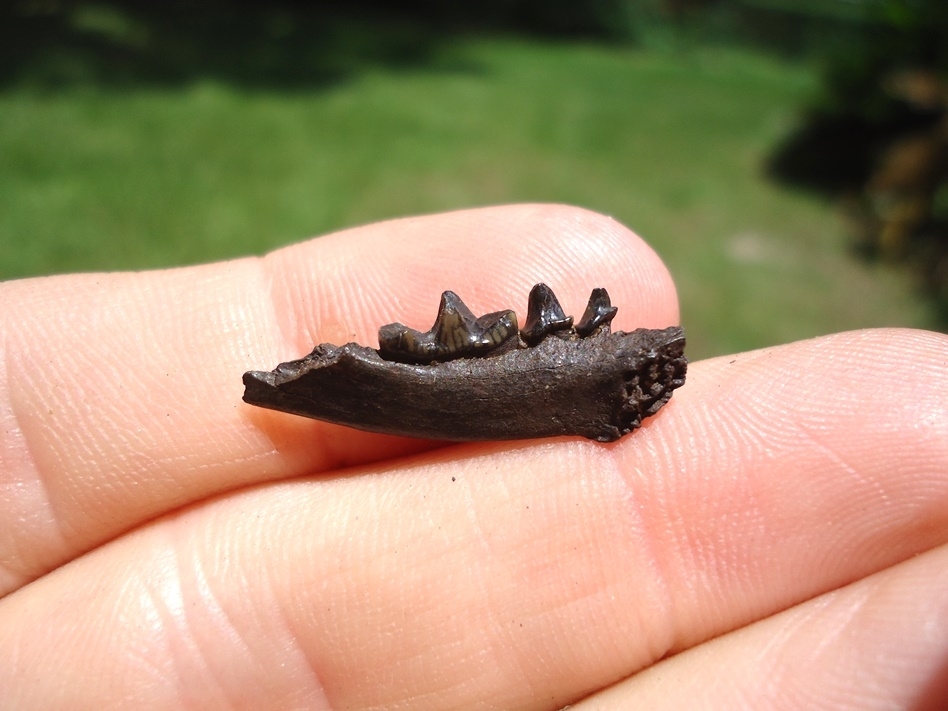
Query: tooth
x=456 y=333
x=496 y=328
x=599 y=312
x=544 y=315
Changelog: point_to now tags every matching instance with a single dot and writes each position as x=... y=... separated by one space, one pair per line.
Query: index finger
x=120 y=393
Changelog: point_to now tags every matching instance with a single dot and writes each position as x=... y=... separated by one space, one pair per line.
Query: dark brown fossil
x=474 y=378
x=544 y=315
x=456 y=334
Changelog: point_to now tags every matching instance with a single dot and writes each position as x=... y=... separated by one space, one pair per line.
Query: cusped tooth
x=406 y=345
x=454 y=328
x=544 y=315
x=496 y=329
x=599 y=312
x=391 y=338
x=456 y=333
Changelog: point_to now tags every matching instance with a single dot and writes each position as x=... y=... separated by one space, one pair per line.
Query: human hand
x=774 y=538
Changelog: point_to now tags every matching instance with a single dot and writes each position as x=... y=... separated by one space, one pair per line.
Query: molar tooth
x=406 y=345
x=599 y=313
x=454 y=326
x=456 y=333
x=452 y=332
x=392 y=336
x=544 y=315
x=497 y=328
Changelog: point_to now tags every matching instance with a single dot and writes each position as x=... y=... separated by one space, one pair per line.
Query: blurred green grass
x=671 y=143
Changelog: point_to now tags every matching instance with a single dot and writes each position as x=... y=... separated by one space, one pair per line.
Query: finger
x=121 y=393
x=520 y=575
x=811 y=465
x=880 y=643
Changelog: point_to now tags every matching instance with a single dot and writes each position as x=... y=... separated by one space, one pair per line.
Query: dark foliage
x=283 y=43
x=877 y=139
x=836 y=152
x=280 y=44
x=598 y=18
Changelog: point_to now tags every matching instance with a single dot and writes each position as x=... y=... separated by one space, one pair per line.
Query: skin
x=775 y=538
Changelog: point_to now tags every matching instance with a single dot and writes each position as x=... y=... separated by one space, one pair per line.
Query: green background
x=669 y=137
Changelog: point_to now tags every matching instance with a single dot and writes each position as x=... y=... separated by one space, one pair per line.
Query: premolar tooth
x=544 y=315
x=599 y=312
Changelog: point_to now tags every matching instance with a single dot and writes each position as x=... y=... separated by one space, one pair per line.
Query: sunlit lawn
x=671 y=144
